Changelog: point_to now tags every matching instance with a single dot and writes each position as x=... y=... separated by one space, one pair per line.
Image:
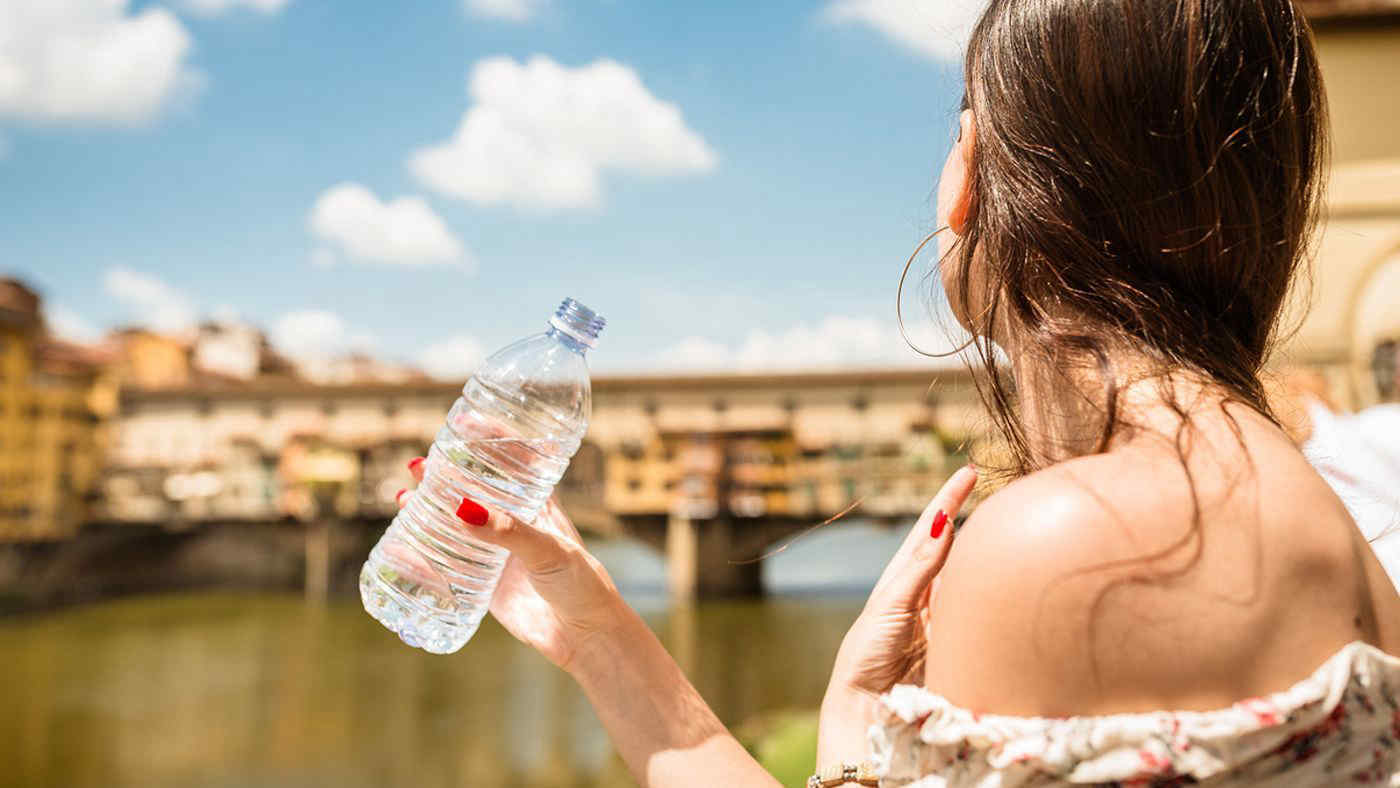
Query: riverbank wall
x=105 y=561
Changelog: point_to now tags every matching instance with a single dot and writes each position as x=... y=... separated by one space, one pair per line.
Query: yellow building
x=150 y=360
x=52 y=399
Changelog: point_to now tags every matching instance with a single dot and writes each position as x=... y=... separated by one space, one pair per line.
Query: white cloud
x=67 y=324
x=90 y=62
x=936 y=29
x=322 y=257
x=226 y=313
x=836 y=342
x=540 y=135
x=151 y=301
x=509 y=10
x=454 y=358
x=216 y=7
x=696 y=353
x=404 y=231
x=311 y=334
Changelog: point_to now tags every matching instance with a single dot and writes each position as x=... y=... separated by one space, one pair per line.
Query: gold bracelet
x=842 y=773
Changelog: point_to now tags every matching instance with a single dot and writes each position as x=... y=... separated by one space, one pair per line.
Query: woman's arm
x=664 y=730
x=557 y=598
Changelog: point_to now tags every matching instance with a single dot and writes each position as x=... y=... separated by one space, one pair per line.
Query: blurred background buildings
x=148 y=431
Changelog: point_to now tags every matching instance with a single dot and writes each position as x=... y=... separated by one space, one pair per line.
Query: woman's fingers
x=906 y=580
x=536 y=546
x=415 y=468
x=538 y=549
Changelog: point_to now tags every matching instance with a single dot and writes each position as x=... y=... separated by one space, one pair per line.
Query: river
x=228 y=689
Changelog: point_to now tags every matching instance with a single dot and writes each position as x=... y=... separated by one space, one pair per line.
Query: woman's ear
x=954 y=210
x=957 y=174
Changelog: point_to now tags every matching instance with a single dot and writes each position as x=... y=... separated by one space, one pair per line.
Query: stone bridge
x=710 y=470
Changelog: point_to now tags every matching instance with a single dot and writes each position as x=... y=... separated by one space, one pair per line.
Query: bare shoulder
x=1104 y=584
x=1013 y=605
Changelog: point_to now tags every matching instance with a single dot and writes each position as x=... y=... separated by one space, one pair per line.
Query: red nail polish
x=398 y=496
x=414 y=463
x=472 y=512
x=939 y=520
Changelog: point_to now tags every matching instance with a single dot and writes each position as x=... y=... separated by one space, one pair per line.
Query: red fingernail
x=398 y=496
x=939 y=520
x=414 y=463
x=472 y=512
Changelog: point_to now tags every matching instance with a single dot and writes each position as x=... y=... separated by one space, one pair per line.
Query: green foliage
x=785 y=743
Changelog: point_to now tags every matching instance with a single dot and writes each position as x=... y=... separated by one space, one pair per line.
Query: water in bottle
x=506 y=443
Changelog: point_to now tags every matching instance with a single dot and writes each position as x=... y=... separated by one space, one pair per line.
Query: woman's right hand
x=559 y=599
x=554 y=596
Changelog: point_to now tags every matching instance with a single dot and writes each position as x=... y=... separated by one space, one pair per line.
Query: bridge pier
x=682 y=563
x=703 y=559
x=319 y=541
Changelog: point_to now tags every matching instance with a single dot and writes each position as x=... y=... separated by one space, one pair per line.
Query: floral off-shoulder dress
x=1339 y=726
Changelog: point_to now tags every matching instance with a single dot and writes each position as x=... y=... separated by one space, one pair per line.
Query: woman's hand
x=554 y=596
x=557 y=598
x=886 y=645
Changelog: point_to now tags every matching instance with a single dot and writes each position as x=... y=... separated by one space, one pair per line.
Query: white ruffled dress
x=1339 y=726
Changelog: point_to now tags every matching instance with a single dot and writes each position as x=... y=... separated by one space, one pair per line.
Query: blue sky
x=732 y=184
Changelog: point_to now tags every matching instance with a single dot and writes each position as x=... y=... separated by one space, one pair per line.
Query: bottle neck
x=577 y=324
x=567 y=340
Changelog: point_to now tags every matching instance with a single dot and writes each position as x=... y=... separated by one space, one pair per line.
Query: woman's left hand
x=886 y=645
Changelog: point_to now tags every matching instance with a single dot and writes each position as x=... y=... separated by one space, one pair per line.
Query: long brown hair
x=1146 y=177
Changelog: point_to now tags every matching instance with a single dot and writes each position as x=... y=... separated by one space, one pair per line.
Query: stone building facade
x=1353 y=306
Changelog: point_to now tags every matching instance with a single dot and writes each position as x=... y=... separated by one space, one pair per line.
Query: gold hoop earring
x=899 y=301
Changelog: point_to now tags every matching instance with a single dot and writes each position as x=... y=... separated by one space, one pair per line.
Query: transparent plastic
x=506 y=443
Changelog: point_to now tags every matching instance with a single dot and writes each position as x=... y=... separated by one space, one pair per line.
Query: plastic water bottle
x=506 y=443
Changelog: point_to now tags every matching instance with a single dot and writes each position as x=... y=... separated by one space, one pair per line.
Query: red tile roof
x=19 y=305
x=55 y=356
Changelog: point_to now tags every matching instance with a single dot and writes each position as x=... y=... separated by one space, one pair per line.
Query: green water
x=222 y=689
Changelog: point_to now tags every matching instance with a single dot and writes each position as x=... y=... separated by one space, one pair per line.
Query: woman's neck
x=1065 y=404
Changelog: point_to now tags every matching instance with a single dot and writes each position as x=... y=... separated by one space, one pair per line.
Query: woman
x=1165 y=593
